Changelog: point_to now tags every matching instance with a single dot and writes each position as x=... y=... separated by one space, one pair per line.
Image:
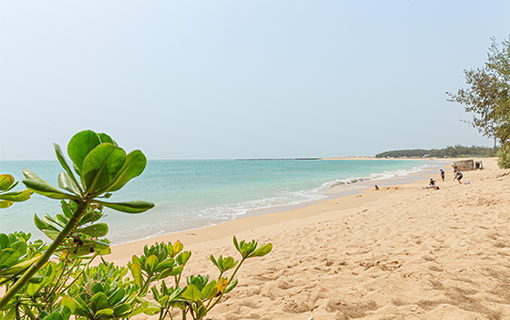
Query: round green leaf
x=4 y=241
x=6 y=181
x=136 y=272
x=98 y=302
x=165 y=264
x=20 y=246
x=9 y=258
x=262 y=251
x=96 y=230
x=103 y=313
x=152 y=310
x=32 y=288
x=101 y=166
x=106 y=139
x=70 y=303
x=5 y=204
x=80 y=145
x=133 y=167
x=192 y=293
x=151 y=263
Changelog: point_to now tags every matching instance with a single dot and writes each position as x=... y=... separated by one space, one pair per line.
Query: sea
x=191 y=194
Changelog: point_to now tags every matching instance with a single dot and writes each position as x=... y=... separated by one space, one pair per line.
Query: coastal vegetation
x=8 y=197
x=504 y=156
x=487 y=95
x=54 y=281
x=448 y=152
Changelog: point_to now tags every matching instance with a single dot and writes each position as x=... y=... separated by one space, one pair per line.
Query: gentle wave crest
x=191 y=194
x=374 y=176
x=284 y=199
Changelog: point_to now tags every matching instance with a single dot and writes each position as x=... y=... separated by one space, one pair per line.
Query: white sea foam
x=191 y=194
x=371 y=177
x=220 y=214
x=231 y=211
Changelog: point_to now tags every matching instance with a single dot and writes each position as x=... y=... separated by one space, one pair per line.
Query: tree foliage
x=487 y=95
x=450 y=152
x=504 y=156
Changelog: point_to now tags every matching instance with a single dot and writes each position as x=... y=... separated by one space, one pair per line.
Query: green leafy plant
x=504 y=156
x=104 y=292
x=102 y=167
x=7 y=183
x=45 y=289
x=200 y=294
x=487 y=95
x=17 y=254
x=38 y=288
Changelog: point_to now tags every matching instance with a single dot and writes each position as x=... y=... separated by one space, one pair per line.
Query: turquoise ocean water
x=192 y=194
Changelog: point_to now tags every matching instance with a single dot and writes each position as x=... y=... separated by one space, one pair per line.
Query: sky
x=241 y=79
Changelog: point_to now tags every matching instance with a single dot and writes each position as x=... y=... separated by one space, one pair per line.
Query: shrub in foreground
x=38 y=288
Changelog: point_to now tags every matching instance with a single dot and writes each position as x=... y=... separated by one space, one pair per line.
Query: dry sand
x=398 y=253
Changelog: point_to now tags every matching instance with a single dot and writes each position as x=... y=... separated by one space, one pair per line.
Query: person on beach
x=458 y=175
x=442 y=174
x=432 y=184
x=376 y=188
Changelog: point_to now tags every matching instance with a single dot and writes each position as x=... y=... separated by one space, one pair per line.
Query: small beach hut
x=464 y=165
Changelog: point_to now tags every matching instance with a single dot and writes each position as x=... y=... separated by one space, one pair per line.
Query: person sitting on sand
x=376 y=187
x=432 y=184
x=457 y=175
x=442 y=174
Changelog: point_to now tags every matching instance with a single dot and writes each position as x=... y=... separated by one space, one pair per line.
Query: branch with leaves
x=487 y=96
x=103 y=167
x=38 y=288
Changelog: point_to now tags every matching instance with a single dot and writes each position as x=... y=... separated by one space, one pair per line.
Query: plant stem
x=82 y=206
x=57 y=284
x=229 y=281
x=79 y=274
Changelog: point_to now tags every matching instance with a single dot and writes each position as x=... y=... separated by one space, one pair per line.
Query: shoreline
x=399 y=252
x=348 y=190
x=284 y=212
x=335 y=192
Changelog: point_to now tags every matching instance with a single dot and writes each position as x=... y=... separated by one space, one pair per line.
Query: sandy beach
x=402 y=252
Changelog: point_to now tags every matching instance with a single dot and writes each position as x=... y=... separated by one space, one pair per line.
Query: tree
x=487 y=95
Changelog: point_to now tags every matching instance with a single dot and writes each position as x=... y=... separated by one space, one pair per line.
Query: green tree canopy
x=487 y=94
x=451 y=152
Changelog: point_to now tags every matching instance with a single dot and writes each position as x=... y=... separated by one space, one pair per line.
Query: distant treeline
x=450 y=152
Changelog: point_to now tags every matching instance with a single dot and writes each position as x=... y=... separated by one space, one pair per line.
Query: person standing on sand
x=457 y=175
x=442 y=174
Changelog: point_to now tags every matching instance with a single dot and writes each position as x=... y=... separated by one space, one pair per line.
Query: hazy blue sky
x=241 y=79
